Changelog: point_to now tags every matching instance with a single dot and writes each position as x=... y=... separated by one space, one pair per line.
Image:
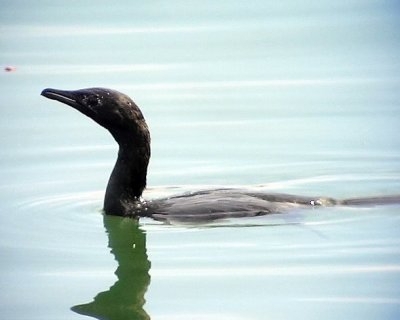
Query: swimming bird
x=118 y=113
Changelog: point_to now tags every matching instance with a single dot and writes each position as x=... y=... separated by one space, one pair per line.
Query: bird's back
x=210 y=205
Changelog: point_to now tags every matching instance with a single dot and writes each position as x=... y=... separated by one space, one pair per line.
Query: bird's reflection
x=125 y=299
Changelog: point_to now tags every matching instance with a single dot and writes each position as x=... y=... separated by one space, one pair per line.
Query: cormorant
x=117 y=113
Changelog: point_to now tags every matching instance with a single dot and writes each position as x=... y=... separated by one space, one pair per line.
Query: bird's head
x=111 y=109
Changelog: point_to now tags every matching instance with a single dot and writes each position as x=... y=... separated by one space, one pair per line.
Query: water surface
x=278 y=96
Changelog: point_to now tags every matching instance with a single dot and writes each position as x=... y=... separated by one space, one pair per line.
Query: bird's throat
x=127 y=180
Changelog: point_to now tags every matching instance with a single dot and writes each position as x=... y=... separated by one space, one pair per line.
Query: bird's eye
x=92 y=101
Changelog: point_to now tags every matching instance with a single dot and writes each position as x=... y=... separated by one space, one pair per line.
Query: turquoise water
x=282 y=96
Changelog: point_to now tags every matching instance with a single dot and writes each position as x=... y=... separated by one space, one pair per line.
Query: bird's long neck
x=128 y=178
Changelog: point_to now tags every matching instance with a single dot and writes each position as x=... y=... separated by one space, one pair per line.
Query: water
x=281 y=96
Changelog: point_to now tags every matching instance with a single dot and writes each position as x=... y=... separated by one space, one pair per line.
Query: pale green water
x=289 y=96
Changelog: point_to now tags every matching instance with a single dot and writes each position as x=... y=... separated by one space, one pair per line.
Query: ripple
x=248 y=84
x=84 y=208
x=330 y=178
x=96 y=69
x=296 y=271
x=352 y=300
x=69 y=214
x=65 y=200
x=63 y=31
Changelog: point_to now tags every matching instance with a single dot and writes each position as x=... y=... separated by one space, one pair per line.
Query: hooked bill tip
x=63 y=96
x=46 y=92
